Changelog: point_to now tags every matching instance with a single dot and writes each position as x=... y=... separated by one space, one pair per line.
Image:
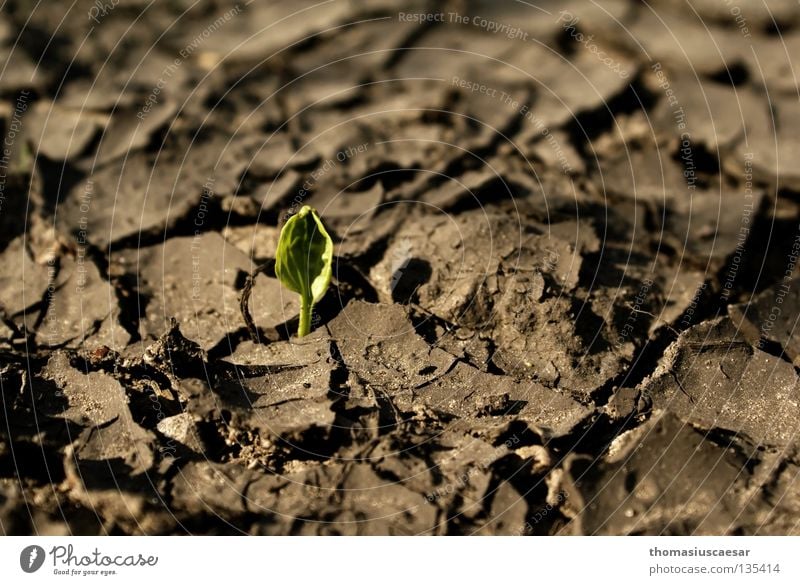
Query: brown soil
x=565 y=287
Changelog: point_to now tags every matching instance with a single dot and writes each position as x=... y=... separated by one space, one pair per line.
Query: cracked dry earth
x=565 y=292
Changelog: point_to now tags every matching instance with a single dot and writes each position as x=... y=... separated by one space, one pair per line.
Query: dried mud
x=565 y=288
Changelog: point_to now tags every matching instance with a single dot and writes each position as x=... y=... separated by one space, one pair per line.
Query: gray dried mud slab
x=668 y=480
x=681 y=43
x=507 y=512
x=486 y=273
x=285 y=398
x=466 y=392
x=714 y=115
x=351 y=499
x=257 y=242
x=387 y=354
x=276 y=154
x=83 y=310
x=106 y=488
x=182 y=428
x=242 y=37
x=148 y=194
x=380 y=344
x=713 y=379
x=287 y=401
x=756 y=17
x=772 y=317
x=776 y=164
x=62 y=133
x=717 y=223
x=782 y=498
x=122 y=202
x=193 y=280
x=451 y=50
x=97 y=402
x=22 y=72
x=271 y=304
x=648 y=176
x=291 y=354
x=773 y=61
x=10 y=506
x=211 y=488
x=23 y=282
x=578 y=86
x=361 y=48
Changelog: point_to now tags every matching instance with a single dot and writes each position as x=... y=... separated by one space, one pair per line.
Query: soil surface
x=565 y=288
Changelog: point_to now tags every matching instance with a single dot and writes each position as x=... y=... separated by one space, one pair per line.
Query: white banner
x=399 y=560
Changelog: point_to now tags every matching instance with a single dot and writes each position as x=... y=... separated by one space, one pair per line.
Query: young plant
x=304 y=261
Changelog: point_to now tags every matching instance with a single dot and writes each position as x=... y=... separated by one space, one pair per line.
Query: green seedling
x=304 y=261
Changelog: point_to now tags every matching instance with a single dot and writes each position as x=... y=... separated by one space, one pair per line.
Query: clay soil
x=565 y=285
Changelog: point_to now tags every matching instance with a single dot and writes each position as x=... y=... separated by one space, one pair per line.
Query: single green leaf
x=304 y=260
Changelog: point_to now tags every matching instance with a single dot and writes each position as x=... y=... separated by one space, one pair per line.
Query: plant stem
x=305 y=317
